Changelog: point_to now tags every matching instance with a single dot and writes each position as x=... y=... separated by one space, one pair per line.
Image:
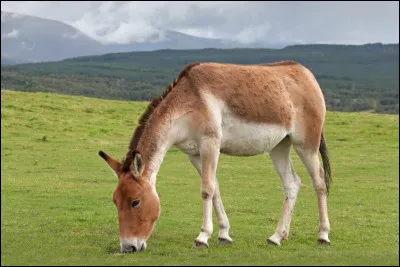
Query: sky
x=259 y=21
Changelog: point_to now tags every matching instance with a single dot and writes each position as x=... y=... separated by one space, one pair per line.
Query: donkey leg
x=310 y=159
x=223 y=222
x=209 y=154
x=280 y=156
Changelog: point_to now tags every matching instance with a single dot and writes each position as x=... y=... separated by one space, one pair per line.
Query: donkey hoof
x=199 y=244
x=224 y=241
x=324 y=242
x=272 y=242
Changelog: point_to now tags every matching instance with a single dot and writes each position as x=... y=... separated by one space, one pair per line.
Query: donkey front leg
x=209 y=154
x=223 y=221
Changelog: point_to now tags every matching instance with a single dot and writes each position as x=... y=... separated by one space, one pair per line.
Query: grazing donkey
x=238 y=110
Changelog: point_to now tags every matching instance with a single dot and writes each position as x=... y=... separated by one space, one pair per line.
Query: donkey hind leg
x=223 y=222
x=310 y=159
x=280 y=156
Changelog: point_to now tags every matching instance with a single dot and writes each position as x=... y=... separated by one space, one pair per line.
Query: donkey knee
x=206 y=194
x=207 y=191
x=320 y=188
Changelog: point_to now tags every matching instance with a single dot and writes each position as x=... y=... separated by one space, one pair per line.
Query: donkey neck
x=159 y=135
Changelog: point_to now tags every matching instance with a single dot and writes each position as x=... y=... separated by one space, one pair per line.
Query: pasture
x=56 y=192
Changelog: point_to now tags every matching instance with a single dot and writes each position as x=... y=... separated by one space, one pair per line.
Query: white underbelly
x=247 y=139
x=238 y=137
x=241 y=140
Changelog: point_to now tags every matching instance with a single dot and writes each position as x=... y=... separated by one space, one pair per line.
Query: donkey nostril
x=133 y=248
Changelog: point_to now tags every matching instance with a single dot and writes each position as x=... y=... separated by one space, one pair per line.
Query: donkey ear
x=113 y=163
x=137 y=164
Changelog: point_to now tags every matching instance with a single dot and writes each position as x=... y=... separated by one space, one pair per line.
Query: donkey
x=238 y=110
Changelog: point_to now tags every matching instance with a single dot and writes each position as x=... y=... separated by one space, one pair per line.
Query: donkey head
x=137 y=202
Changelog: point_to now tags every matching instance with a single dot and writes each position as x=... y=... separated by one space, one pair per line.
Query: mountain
x=173 y=40
x=12 y=61
x=32 y=39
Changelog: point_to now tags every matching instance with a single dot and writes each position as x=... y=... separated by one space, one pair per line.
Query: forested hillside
x=353 y=78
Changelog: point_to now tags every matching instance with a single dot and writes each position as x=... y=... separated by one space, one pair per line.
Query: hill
x=34 y=39
x=352 y=77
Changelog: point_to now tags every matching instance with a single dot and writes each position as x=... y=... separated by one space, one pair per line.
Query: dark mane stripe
x=280 y=63
x=146 y=115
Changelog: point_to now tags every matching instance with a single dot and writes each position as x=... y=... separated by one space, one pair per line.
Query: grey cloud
x=304 y=22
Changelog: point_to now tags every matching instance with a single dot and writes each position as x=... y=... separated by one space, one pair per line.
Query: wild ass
x=238 y=110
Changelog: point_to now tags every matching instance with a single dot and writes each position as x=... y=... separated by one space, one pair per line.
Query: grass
x=56 y=192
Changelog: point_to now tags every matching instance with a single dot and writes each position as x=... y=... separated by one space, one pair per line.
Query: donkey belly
x=248 y=138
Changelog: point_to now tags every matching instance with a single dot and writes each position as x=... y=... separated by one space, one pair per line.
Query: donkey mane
x=126 y=162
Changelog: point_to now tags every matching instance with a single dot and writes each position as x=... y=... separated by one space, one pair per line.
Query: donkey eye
x=135 y=203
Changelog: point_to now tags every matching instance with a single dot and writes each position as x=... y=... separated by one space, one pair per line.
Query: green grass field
x=56 y=192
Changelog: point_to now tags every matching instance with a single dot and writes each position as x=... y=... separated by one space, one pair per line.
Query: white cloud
x=253 y=34
x=308 y=22
x=13 y=34
x=6 y=17
x=125 y=25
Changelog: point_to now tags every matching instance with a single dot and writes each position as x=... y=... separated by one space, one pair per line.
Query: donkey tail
x=323 y=150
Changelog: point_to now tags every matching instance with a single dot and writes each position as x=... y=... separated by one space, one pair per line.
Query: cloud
x=6 y=17
x=126 y=24
x=28 y=47
x=69 y=35
x=13 y=34
x=246 y=22
x=253 y=34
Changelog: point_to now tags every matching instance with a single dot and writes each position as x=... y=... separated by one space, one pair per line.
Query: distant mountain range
x=32 y=39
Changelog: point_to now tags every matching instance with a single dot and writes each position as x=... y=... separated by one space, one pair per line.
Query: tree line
x=352 y=77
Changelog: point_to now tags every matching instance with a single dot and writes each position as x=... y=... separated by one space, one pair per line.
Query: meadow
x=56 y=192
